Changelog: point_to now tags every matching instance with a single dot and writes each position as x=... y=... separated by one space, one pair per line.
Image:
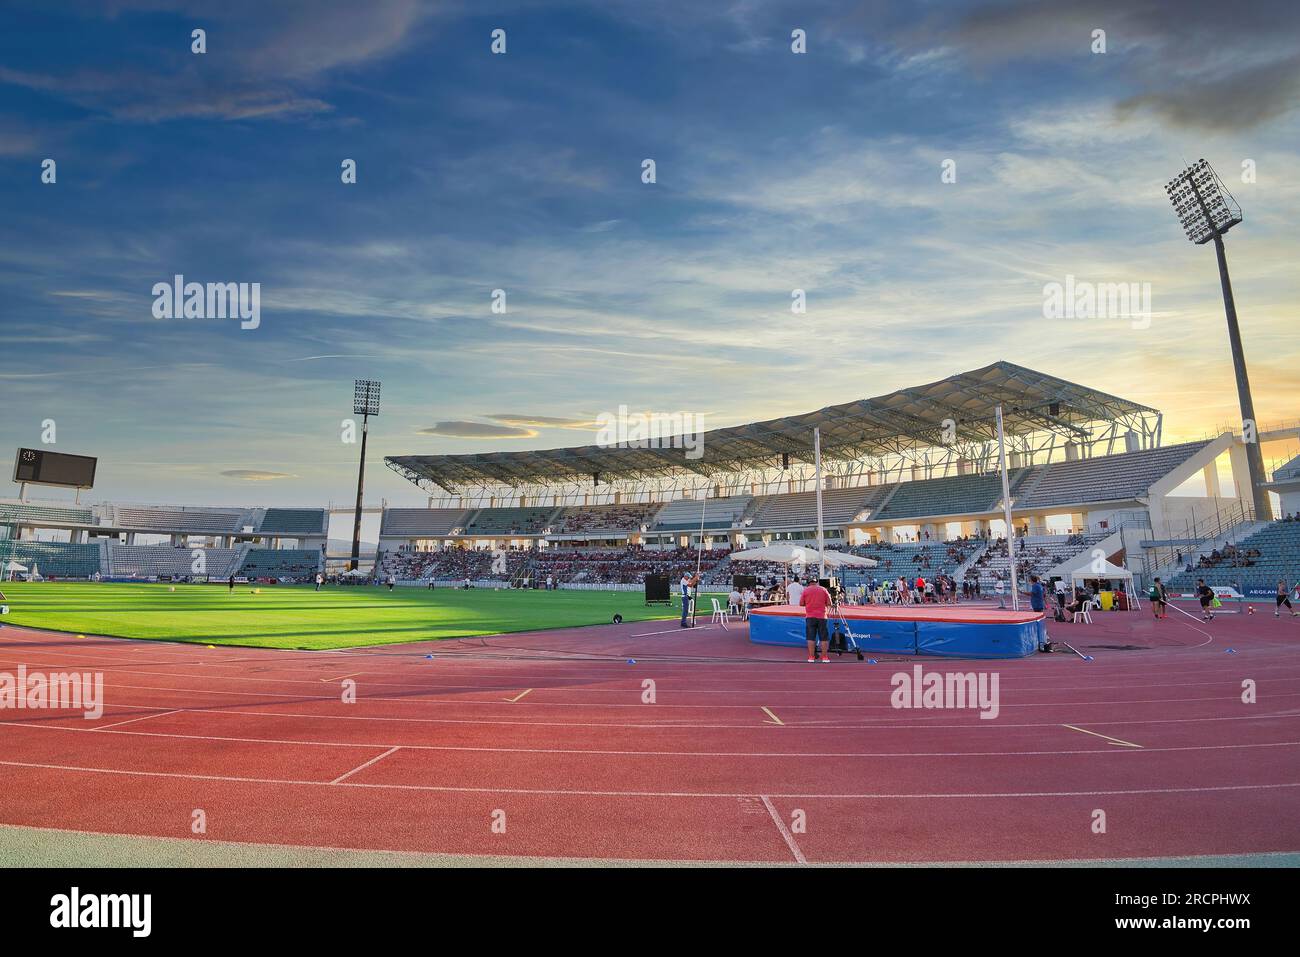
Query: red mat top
x=939 y=613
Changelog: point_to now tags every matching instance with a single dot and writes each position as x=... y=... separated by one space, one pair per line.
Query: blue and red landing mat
x=945 y=631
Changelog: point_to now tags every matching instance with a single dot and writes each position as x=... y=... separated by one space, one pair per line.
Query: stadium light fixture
x=365 y=403
x=1207 y=210
x=365 y=397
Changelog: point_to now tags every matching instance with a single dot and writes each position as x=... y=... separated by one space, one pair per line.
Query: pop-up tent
x=1100 y=568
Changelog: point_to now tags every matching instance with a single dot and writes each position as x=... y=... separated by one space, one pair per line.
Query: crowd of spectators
x=607 y=518
x=1229 y=556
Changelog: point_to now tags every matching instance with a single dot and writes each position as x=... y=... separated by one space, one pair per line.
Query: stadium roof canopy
x=960 y=408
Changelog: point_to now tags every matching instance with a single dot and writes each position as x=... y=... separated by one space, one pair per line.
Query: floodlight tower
x=1207 y=210
x=365 y=403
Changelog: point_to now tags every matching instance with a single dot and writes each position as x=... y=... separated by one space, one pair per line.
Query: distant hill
x=340 y=546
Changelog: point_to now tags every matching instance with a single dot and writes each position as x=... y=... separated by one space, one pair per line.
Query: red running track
x=747 y=753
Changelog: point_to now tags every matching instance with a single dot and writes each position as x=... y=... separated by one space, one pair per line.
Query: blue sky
x=522 y=172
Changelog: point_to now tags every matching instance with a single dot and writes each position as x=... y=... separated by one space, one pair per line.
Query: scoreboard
x=54 y=468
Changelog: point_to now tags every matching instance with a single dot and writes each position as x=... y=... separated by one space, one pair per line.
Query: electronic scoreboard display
x=54 y=468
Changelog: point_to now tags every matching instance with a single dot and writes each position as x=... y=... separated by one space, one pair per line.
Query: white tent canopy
x=1103 y=569
x=14 y=566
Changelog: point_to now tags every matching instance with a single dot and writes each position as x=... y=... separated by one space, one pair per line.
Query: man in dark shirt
x=1206 y=594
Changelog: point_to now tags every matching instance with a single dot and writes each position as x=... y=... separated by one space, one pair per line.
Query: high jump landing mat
x=946 y=631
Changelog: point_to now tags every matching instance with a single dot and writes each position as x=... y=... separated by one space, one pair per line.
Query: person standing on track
x=1283 y=598
x=1036 y=594
x=793 y=591
x=815 y=600
x=1159 y=599
x=685 y=585
x=1206 y=594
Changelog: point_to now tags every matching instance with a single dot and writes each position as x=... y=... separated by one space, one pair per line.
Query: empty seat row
x=1126 y=476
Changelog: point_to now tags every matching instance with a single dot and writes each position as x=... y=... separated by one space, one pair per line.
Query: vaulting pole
x=817 y=465
x=1006 y=511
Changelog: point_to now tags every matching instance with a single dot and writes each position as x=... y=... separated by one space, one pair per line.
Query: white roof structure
x=1089 y=570
x=960 y=408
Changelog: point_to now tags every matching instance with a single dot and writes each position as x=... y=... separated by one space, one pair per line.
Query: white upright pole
x=699 y=546
x=817 y=464
x=699 y=553
x=1006 y=511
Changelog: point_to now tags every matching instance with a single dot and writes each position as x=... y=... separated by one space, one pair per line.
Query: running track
x=551 y=729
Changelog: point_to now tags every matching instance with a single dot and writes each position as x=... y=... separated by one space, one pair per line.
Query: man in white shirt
x=793 y=592
x=686 y=596
x=734 y=601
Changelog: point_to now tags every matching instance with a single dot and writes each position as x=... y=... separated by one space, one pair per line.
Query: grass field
x=290 y=616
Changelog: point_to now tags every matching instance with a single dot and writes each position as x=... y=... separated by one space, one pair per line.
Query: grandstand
x=490 y=522
x=173 y=520
x=294 y=522
x=1254 y=565
x=54 y=559
x=44 y=516
x=152 y=561
x=1086 y=469
x=1042 y=555
x=104 y=540
x=687 y=514
x=840 y=506
x=607 y=519
x=1106 y=478
x=957 y=495
x=421 y=522
x=297 y=563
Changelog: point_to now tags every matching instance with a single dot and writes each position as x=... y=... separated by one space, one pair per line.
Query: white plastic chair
x=719 y=616
x=1082 y=614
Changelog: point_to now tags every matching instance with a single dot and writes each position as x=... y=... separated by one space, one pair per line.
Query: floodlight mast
x=365 y=403
x=1201 y=226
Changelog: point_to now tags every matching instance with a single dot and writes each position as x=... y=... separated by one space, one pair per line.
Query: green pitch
x=293 y=616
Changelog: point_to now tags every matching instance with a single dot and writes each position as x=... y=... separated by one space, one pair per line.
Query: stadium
x=648 y=439
x=481 y=630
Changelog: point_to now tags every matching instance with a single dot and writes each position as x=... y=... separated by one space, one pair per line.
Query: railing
x=1195 y=534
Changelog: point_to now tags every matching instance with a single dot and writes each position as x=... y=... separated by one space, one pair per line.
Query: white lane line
x=614 y=752
x=785 y=831
x=361 y=767
x=581 y=683
x=143 y=717
x=235 y=779
x=708 y=707
x=670 y=631
x=818 y=726
x=1105 y=737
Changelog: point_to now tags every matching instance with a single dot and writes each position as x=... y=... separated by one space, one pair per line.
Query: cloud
x=478 y=430
x=255 y=475
x=1201 y=64
x=1240 y=100
x=263 y=61
x=544 y=421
